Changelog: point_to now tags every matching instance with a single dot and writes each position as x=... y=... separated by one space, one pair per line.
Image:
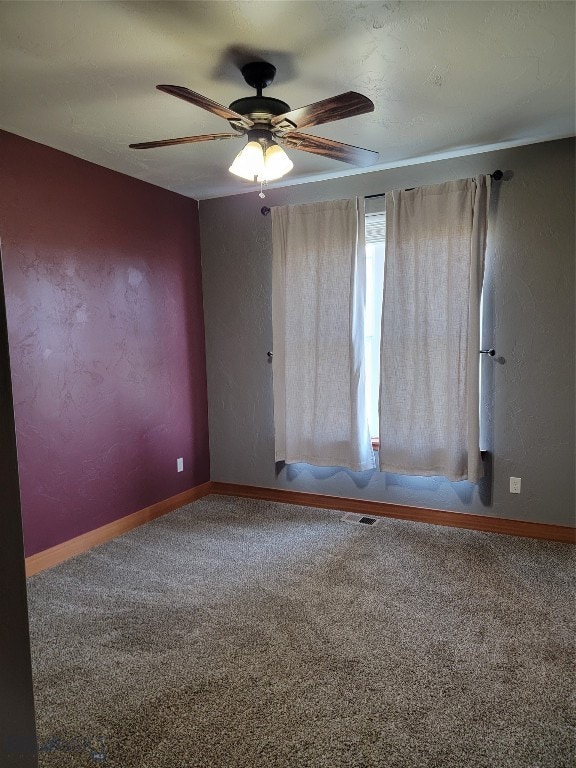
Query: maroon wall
x=106 y=331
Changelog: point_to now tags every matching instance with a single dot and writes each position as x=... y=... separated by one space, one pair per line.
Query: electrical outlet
x=180 y=465
x=515 y=483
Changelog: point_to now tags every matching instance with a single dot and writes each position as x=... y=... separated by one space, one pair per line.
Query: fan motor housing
x=251 y=106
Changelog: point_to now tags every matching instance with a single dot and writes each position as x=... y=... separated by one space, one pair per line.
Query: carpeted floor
x=242 y=634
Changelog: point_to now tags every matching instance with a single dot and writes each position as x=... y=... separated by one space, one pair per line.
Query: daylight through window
x=375 y=245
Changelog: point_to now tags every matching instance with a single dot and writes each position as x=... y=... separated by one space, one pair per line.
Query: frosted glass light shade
x=249 y=163
x=276 y=163
x=253 y=164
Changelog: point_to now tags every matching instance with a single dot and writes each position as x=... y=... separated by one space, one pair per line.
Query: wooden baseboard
x=50 y=557
x=61 y=552
x=434 y=516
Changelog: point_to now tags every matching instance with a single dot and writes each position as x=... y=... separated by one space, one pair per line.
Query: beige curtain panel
x=430 y=342
x=318 y=299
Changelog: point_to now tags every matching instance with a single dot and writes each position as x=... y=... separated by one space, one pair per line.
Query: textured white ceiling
x=446 y=78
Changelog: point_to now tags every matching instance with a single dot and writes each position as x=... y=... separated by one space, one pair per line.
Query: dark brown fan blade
x=329 y=148
x=205 y=103
x=336 y=108
x=185 y=140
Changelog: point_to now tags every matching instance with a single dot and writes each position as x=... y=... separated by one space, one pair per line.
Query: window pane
x=374 y=291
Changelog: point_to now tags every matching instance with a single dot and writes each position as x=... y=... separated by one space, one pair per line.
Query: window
x=375 y=245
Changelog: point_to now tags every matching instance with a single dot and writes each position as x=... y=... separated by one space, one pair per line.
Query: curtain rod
x=497 y=176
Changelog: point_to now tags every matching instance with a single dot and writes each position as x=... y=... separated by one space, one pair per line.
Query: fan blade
x=185 y=140
x=336 y=108
x=205 y=103
x=330 y=148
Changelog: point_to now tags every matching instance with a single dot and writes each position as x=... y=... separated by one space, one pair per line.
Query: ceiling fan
x=268 y=122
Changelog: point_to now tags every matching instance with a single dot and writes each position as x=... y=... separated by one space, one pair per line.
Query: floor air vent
x=351 y=517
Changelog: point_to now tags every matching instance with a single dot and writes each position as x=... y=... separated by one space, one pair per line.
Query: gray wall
x=529 y=388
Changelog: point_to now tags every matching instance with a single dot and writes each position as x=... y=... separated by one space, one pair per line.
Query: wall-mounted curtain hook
x=490 y=352
x=269 y=355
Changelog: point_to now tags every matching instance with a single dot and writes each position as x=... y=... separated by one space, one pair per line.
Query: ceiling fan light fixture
x=261 y=160
x=249 y=163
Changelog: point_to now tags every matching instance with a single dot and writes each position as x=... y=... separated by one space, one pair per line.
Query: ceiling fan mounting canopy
x=259 y=74
x=268 y=120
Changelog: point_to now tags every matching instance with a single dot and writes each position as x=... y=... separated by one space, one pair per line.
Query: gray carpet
x=242 y=634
